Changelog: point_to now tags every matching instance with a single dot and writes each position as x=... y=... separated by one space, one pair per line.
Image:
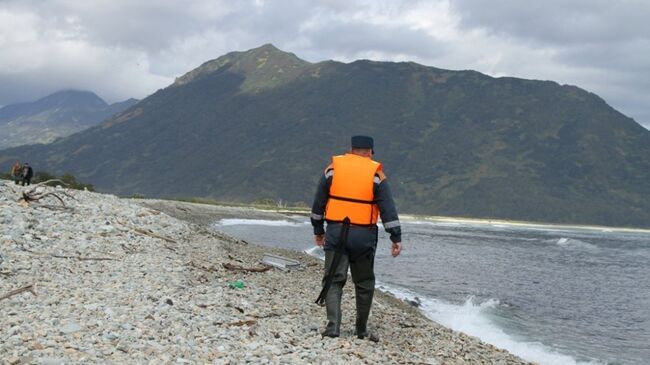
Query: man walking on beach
x=351 y=194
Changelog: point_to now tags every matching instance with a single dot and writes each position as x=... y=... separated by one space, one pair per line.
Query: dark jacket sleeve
x=320 y=201
x=387 y=210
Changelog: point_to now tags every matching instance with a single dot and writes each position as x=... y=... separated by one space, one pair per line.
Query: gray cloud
x=122 y=49
x=559 y=21
x=609 y=40
x=359 y=39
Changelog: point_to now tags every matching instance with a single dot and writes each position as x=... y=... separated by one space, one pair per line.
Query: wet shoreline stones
x=120 y=282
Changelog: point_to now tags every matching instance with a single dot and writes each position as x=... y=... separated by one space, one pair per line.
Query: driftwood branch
x=238 y=268
x=84 y=258
x=148 y=233
x=27 y=197
x=32 y=195
x=247 y=322
x=54 y=207
x=199 y=266
x=80 y=258
x=29 y=288
x=151 y=234
x=47 y=182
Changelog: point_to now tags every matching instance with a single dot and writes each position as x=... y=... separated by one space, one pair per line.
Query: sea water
x=553 y=296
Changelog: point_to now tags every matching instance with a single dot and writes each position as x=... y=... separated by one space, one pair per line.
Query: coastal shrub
x=41 y=176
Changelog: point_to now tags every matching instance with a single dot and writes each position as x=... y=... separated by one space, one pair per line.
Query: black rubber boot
x=333 y=298
x=364 y=288
x=333 y=309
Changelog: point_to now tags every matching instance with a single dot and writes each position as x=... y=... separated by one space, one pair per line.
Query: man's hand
x=319 y=239
x=396 y=249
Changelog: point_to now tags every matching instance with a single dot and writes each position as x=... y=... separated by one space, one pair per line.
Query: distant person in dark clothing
x=28 y=173
x=17 y=172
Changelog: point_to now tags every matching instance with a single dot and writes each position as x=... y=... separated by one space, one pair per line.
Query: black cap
x=363 y=142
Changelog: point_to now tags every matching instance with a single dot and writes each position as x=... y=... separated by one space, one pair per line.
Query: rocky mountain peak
x=262 y=67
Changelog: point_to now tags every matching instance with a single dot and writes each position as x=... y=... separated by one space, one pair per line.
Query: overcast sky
x=122 y=49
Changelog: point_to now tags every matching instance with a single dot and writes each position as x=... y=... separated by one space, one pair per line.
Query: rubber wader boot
x=334 y=294
x=333 y=309
x=364 y=286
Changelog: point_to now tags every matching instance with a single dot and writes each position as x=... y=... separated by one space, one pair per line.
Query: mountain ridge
x=454 y=143
x=59 y=114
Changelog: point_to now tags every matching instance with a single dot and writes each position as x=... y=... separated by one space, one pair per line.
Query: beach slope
x=109 y=280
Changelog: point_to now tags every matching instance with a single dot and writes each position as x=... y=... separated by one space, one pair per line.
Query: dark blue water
x=551 y=296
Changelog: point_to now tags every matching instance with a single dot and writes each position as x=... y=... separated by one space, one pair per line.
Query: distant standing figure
x=27 y=174
x=17 y=172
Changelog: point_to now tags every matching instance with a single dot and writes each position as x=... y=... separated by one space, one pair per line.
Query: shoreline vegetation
x=97 y=279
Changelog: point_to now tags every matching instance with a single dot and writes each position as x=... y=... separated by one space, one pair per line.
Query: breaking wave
x=574 y=243
x=259 y=222
x=475 y=319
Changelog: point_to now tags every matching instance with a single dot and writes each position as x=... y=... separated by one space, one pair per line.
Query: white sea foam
x=474 y=319
x=430 y=223
x=575 y=243
x=259 y=222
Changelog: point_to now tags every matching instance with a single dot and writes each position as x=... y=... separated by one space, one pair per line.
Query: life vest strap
x=369 y=225
x=338 y=252
x=370 y=202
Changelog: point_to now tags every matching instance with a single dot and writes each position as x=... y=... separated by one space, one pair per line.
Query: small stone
x=111 y=336
x=53 y=361
x=122 y=347
x=71 y=328
x=169 y=301
x=13 y=360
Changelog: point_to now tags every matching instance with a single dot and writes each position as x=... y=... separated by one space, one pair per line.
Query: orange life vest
x=351 y=193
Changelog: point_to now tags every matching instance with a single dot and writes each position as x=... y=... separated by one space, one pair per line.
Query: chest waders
x=338 y=252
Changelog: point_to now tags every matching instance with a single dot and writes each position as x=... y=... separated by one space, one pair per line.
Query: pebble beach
x=92 y=278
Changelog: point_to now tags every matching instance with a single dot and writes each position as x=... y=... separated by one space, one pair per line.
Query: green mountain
x=57 y=115
x=262 y=124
